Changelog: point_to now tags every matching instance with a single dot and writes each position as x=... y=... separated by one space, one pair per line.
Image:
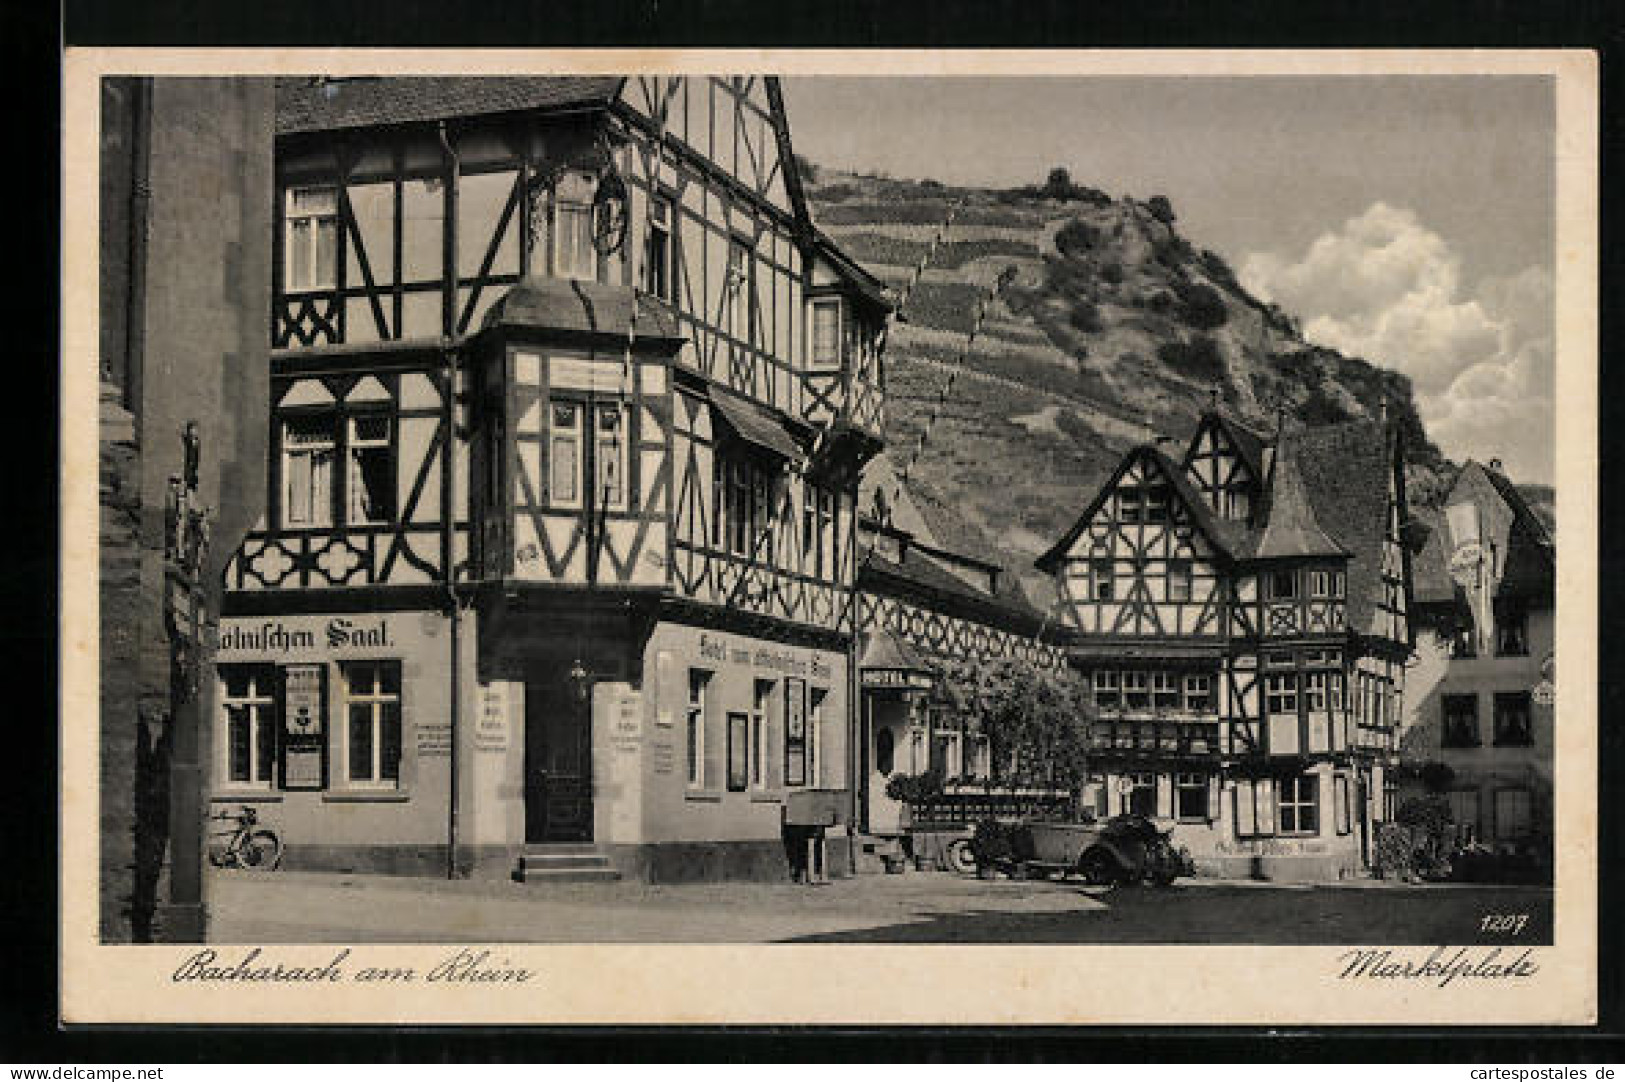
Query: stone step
x=565 y=863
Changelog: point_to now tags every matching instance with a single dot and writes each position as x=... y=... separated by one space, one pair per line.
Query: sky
x=1408 y=220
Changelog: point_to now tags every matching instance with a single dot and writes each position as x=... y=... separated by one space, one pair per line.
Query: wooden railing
x=967 y=806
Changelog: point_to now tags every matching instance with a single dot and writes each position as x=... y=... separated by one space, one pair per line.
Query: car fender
x=1123 y=859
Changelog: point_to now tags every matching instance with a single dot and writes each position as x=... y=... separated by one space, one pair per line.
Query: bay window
x=1107 y=693
x=574 y=255
x=1199 y=693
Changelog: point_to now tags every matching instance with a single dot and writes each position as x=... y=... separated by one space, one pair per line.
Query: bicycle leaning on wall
x=248 y=845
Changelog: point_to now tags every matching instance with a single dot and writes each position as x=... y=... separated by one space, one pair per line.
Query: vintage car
x=1122 y=850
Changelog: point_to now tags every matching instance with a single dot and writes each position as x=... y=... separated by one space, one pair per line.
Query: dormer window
x=310 y=239
x=826 y=333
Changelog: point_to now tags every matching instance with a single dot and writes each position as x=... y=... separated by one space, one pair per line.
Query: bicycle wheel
x=262 y=850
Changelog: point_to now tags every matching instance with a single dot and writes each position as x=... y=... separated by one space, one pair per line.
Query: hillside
x=1116 y=330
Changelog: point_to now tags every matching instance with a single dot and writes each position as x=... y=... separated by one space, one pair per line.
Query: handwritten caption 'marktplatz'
x=465 y=966
x=1387 y=965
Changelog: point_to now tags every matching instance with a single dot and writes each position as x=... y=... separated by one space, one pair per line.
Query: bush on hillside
x=1171 y=251
x=1217 y=269
x=1161 y=209
x=835 y=193
x=1112 y=272
x=1085 y=316
x=1076 y=237
x=1198 y=359
x=1200 y=306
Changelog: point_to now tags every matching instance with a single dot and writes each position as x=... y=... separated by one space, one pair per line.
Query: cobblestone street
x=918 y=907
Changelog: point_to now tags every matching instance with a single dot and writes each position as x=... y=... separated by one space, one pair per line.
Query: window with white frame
x=760 y=716
x=1102 y=570
x=1137 y=690
x=1191 y=797
x=310 y=239
x=248 y=708
x=370 y=483
x=565 y=457
x=1130 y=504
x=1156 y=504
x=372 y=713
x=1300 y=804
x=826 y=333
x=1108 y=689
x=1281 y=693
x=308 y=448
x=1179 y=580
x=659 y=271
x=1142 y=795
x=1199 y=693
x=699 y=684
x=1164 y=691
x=1314 y=692
x=574 y=255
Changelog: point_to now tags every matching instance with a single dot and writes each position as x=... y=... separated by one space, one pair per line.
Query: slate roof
x=1291 y=528
x=1531 y=565
x=306 y=104
x=921 y=573
x=1431 y=583
x=1345 y=470
x=581 y=307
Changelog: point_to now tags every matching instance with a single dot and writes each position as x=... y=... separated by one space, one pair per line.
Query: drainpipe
x=448 y=512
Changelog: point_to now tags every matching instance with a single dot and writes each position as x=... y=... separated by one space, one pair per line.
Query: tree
x=1036 y=721
x=1058 y=185
x=1161 y=209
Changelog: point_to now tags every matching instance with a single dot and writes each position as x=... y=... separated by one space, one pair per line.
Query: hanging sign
x=303 y=748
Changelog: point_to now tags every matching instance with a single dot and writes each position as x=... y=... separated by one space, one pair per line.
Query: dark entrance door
x=558 y=763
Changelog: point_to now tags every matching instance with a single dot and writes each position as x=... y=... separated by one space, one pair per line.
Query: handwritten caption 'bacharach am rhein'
x=464 y=966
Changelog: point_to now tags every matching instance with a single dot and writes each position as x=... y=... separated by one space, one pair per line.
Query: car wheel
x=961 y=858
x=1098 y=868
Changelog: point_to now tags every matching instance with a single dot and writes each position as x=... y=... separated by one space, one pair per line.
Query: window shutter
x=1213 y=793
x=716 y=737
x=1246 y=810
x=1165 y=796
x=773 y=737
x=1268 y=809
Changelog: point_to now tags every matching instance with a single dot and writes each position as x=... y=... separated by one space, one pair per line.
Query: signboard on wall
x=304 y=722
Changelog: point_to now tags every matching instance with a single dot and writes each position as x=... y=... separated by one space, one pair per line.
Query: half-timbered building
x=924 y=610
x=1241 y=613
x=569 y=400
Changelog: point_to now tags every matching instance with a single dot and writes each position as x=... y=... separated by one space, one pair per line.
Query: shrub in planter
x=1437 y=776
x=915 y=789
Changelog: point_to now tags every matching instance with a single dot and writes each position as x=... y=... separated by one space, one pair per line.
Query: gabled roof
x=1291 y=528
x=307 y=104
x=1346 y=470
x=1248 y=444
x=1230 y=538
x=1530 y=569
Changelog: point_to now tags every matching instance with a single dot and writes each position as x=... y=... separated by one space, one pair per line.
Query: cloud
x=1385 y=287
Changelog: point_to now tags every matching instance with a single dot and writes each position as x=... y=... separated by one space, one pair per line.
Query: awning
x=755 y=424
x=889 y=662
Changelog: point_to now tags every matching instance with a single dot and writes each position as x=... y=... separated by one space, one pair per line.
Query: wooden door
x=558 y=763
